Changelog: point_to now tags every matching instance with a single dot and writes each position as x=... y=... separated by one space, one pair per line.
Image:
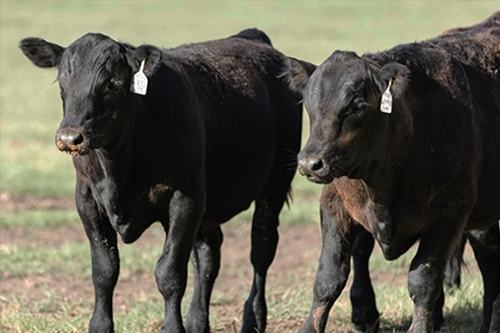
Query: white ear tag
x=386 y=102
x=139 y=83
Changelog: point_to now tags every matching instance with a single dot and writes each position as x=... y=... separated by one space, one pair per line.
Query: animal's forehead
x=90 y=50
x=335 y=82
x=342 y=75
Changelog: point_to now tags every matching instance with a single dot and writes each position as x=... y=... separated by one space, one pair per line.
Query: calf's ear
x=297 y=74
x=398 y=73
x=151 y=55
x=41 y=53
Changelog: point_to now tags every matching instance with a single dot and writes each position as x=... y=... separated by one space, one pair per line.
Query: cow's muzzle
x=72 y=141
x=315 y=169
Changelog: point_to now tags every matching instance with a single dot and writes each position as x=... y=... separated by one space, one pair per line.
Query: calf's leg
x=426 y=275
x=486 y=246
x=171 y=270
x=105 y=260
x=206 y=259
x=495 y=316
x=365 y=315
x=265 y=223
x=334 y=266
x=263 y=249
x=452 y=273
x=437 y=312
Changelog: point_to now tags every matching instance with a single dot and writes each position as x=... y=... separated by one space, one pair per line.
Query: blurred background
x=37 y=216
x=310 y=30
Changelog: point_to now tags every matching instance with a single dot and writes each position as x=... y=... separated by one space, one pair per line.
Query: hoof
x=366 y=322
x=368 y=327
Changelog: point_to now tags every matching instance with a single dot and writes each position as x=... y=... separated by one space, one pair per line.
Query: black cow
x=420 y=165
x=484 y=242
x=217 y=129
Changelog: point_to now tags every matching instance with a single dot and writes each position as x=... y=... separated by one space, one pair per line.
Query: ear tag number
x=139 y=83
x=386 y=102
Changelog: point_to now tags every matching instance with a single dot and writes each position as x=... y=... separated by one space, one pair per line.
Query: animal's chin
x=76 y=152
x=320 y=180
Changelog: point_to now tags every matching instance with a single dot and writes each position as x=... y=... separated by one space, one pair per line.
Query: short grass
x=30 y=165
x=30 y=109
x=38 y=218
x=54 y=305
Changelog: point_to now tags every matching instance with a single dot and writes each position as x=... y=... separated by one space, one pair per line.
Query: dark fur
x=218 y=128
x=486 y=246
x=426 y=172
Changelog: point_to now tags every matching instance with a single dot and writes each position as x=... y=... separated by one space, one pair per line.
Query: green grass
x=38 y=219
x=30 y=109
x=289 y=293
x=25 y=261
x=30 y=165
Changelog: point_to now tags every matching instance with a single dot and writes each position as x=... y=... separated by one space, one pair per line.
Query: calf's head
x=94 y=75
x=349 y=135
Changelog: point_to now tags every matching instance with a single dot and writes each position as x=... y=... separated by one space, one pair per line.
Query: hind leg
x=264 y=243
x=495 y=316
x=364 y=310
x=206 y=260
x=452 y=274
x=268 y=206
x=437 y=312
x=486 y=246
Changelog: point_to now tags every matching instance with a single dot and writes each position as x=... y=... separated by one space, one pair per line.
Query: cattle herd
x=405 y=141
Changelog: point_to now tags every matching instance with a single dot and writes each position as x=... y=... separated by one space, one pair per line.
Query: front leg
x=105 y=259
x=426 y=275
x=334 y=265
x=171 y=270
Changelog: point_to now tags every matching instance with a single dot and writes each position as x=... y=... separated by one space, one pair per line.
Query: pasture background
x=45 y=281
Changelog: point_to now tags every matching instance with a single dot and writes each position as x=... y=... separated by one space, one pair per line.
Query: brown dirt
x=299 y=247
x=297 y=255
x=10 y=202
x=233 y=280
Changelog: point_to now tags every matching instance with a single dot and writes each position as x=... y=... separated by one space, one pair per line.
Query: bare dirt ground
x=234 y=278
x=293 y=268
x=298 y=251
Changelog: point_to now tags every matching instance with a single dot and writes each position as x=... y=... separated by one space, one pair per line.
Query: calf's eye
x=114 y=85
x=358 y=108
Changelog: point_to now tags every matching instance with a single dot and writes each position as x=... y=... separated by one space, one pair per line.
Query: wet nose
x=312 y=166
x=69 y=139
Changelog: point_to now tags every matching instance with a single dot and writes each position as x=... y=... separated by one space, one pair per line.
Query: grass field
x=44 y=261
